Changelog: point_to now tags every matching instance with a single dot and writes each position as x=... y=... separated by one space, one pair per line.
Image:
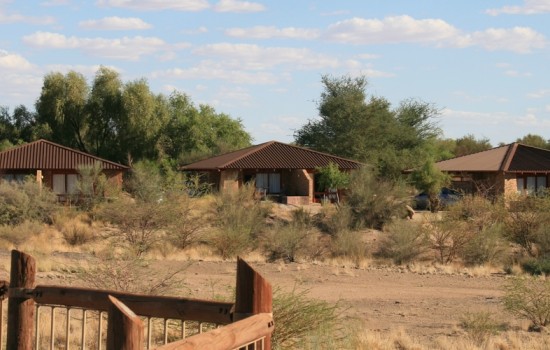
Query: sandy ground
x=425 y=305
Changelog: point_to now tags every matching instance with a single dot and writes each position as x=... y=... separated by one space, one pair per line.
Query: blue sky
x=484 y=64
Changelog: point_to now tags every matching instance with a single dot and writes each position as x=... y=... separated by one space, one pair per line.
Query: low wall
x=296 y=200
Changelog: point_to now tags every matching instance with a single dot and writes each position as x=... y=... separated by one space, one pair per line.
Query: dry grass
x=399 y=339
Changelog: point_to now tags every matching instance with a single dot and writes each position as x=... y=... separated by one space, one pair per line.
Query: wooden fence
x=123 y=321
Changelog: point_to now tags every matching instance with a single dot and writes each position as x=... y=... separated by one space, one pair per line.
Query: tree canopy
x=122 y=121
x=535 y=141
x=367 y=129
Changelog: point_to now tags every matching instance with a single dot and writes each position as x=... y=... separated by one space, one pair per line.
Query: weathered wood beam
x=21 y=309
x=143 y=305
x=124 y=327
x=228 y=337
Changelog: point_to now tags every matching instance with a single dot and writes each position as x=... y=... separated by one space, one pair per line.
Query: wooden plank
x=143 y=305
x=124 y=327
x=21 y=310
x=227 y=337
x=254 y=295
x=4 y=285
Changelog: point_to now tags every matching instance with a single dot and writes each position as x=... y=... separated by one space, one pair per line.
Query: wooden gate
x=126 y=321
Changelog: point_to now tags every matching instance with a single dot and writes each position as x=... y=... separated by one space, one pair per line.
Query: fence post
x=124 y=327
x=20 y=308
x=254 y=295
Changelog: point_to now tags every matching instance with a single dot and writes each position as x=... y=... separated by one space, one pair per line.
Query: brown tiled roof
x=47 y=155
x=272 y=155
x=514 y=157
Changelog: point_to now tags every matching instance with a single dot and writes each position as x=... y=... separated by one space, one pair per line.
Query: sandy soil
x=425 y=305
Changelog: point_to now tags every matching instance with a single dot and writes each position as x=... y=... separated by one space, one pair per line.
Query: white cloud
x=157 y=5
x=17 y=18
x=405 y=29
x=547 y=108
x=539 y=94
x=517 y=39
x=199 y=30
x=265 y=32
x=368 y=56
x=22 y=88
x=233 y=96
x=86 y=70
x=529 y=7
x=530 y=119
x=125 y=48
x=253 y=64
x=516 y=74
x=55 y=3
x=238 y=6
x=13 y=62
x=254 y=57
x=396 y=29
x=211 y=70
x=472 y=117
x=115 y=23
x=274 y=128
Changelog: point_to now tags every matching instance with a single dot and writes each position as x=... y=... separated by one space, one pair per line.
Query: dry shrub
x=298 y=318
x=76 y=232
x=448 y=238
x=340 y=220
x=238 y=219
x=374 y=202
x=527 y=223
x=186 y=226
x=397 y=339
x=529 y=298
x=128 y=273
x=349 y=244
x=480 y=326
x=25 y=201
x=19 y=234
x=139 y=224
x=403 y=241
x=288 y=240
x=479 y=212
x=486 y=247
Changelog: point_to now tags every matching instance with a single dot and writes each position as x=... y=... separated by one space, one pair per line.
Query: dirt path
x=425 y=305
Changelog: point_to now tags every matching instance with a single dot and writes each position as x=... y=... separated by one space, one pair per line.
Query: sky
x=484 y=64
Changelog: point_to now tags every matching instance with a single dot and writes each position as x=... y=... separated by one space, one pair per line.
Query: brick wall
x=300 y=183
x=229 y=180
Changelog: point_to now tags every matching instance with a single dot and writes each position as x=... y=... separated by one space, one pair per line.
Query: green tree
x=105 y=109
x=62 y=106
x=144 y=116
x=192 y=133
x=367 y=129
x=330 y=177
x=535 y=141
x=428 y=178
x=469 y=144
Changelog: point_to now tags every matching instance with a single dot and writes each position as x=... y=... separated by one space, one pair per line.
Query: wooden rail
x=245 y=324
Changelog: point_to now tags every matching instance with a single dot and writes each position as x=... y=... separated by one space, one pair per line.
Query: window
x=14 y=177
x=71 y=183
x=64 y=183
x=274 y=183
x=531 y=184
x=269 y=181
